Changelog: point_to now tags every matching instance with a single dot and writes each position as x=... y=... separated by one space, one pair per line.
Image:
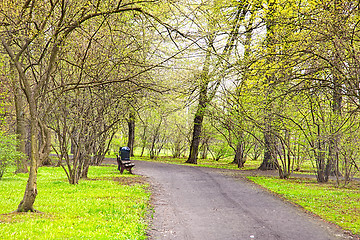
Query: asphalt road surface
x=206 y=204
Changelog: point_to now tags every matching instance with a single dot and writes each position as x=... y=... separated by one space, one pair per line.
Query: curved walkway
x=208 y=204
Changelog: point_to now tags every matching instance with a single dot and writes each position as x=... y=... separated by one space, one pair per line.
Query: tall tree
x=219 y=69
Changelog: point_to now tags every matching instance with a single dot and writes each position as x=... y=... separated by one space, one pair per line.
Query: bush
x=8 y=153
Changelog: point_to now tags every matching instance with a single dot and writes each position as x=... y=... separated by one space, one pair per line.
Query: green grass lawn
x=337 y=205
x=100 y=208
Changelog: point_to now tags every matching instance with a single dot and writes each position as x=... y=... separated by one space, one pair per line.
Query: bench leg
x=122 y=170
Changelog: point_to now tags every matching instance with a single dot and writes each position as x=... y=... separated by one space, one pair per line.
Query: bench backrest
x=125 y=153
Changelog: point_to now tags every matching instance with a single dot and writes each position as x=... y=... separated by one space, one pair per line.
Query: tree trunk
x=320 y=158
x=44 y=146
x=131 y=136
x=27 y=204
x=203 y=102
x=84 y=166
x=20 y=129
x=335 y=138
x=270 y=160
x=205 y=78
x=239 y=155
x=204 y=148
x=194 y=148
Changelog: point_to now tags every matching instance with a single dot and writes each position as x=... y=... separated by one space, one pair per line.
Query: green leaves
x=8 y=153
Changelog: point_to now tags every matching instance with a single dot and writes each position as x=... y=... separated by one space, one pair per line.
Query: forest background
x=238 y=80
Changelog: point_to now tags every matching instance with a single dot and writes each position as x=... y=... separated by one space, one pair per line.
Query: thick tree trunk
x=203 y=102
x=239 y=155
x=321 y=170
x=220 y=71
x=270 y=160
x=131 y=136
x=194 y=148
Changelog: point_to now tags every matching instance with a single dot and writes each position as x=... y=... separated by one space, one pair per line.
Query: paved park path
x=211 y=204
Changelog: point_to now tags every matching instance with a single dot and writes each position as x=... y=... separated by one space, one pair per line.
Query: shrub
x=8 y=153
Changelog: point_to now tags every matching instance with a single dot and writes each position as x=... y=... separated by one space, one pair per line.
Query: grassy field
x=337 y=205
x=107 y=206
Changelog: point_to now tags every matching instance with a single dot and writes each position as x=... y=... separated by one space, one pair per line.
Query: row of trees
x=281 y=76
x=295 y=81
x=77 y=69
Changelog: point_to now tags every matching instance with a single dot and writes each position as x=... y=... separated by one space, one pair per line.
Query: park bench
x=123 y=160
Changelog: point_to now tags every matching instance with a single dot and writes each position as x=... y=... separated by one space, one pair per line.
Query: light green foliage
x=8 y=153
x=99 y=208
x=338 y=205
x=3 y=105
x=220 y=149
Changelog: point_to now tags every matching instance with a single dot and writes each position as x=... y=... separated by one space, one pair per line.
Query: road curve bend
x=207 y=204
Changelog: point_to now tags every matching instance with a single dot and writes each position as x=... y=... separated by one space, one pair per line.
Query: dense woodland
x=256 y=79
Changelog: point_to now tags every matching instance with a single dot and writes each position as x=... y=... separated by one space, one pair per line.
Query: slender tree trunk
x=321 y=171
x=20 y=127
x=45 y=146
x=131 y=136
x=204 y=148
x=333 y=159
x=27 y=204
x=84 y=168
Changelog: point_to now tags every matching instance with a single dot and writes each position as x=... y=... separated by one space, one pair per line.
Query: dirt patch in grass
x=131 y=180
x=125 y=180
x=16 y=216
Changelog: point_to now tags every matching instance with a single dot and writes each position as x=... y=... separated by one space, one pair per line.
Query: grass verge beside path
x=337 y=205
x=103 y=207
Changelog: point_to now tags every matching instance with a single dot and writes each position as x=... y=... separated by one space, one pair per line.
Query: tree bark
x=194 y=148
x=203 y=102
x=239 y=155
x=131 y=134
x=44 y=146
x=270 y=160
x=27 y=203
x=333 y=159
x=205 y=78
x=20 y=125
